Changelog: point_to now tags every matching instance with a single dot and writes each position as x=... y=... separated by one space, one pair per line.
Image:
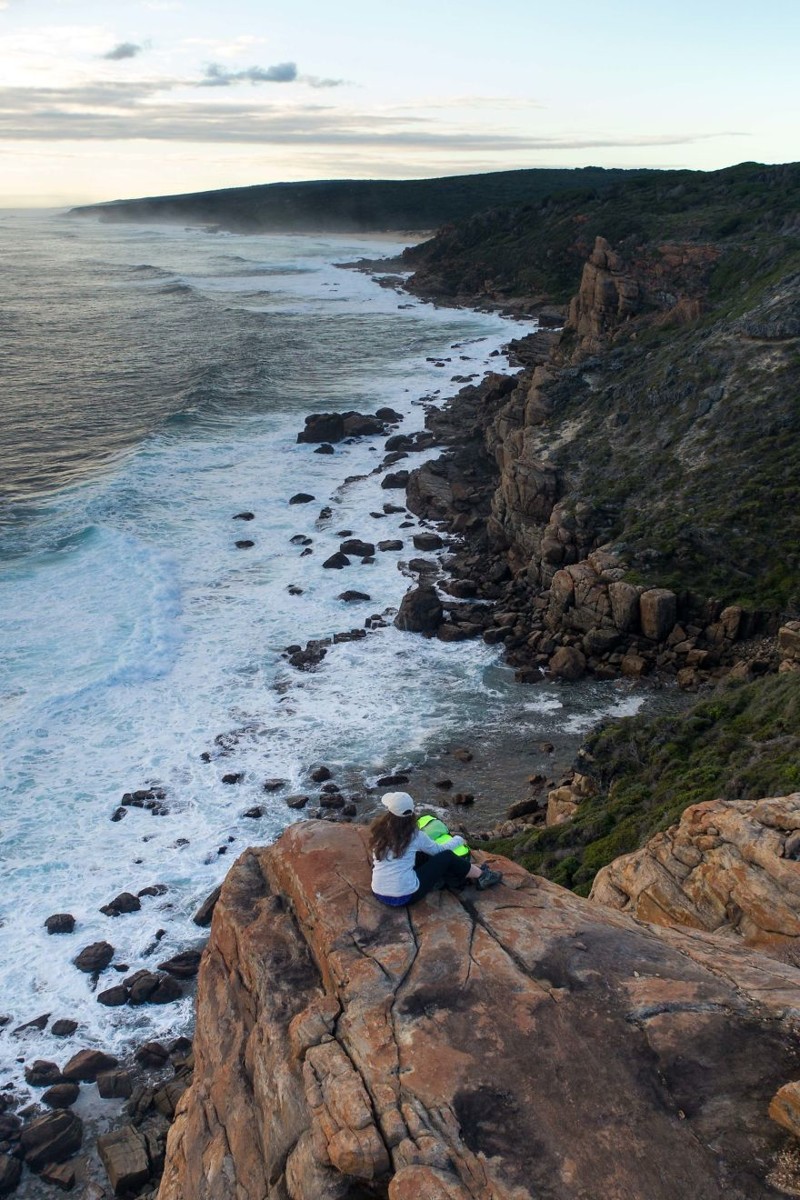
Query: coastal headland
x=623 y=506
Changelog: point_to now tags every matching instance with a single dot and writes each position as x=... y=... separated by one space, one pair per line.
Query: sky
x=148 y=97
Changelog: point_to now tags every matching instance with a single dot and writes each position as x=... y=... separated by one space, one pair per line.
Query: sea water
x=154 y=382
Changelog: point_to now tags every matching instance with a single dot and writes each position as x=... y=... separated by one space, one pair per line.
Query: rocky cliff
x=512 y=1044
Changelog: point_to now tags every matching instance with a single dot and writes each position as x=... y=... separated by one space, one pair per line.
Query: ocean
x=154 y=382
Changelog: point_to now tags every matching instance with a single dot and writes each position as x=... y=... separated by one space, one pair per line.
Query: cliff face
x=512 y=1044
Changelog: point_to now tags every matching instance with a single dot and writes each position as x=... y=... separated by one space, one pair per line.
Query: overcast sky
x=145 y=97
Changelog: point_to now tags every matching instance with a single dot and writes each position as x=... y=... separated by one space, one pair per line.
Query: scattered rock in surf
x=391 y=780
x=152 y=1054
x=389 y=415
x=243 y=516
x=153 y=889
x=351 y=635
x=206 y=910
x=331 y=800
x=349 y=810
x=325 y=513
x=294 y=590
x=444 y=785
x=395 y=457
x=244 y=544
x=391 y=544
x=420 y=610
x=94 y=958
x=147 y=987
x=398 y=441
x=343 y=533
x=310 y=657
x=42 y=1073
x=119 y=814
x=184 y=965
x=113 y=997
x=305 y=553
x=204 y=757
x=63 y=1027
x=52 y=1138
x=350 y=597
x=115 y=1085
x=125 y=902
x=233 y=777
x=406 y=524
x=272 y=785
x=362 y=425
x=427 y=541
x=301 y=498
x=10 y=1173
x=461 y=754
x=463 y=799
x=149 y=798
x=324 y=448
x=375 y=622
x=320 y=774
x=60 y=923
x=331 y=788
x=300 y=539
x=357 y=548
x=38 y=1023
x=86 y=1065
x=255 y=813
x=390 y=509
x=296 y=801
x=379 y=516
x=60 y=1095
x=395 y=479
x=123 y=1153
x=322 y=427
x=336 y=562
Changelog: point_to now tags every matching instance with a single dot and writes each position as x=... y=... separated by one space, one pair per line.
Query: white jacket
x=396 y=876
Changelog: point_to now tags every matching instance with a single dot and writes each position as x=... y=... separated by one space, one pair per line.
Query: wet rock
x=352 y=635
x=123 y=1153
x=86 y=1065
x=60 y=1175
x=351 y=596
x=357 y=548
x=52 y=1138
x=184 y=965
x=206 y=910
x=300 y=539
x=39 y=1023
x=444 y=785
x=60 y=923
x=166 y=1098
x=95 y=957
x=119 y=813
x=523 y=808
x=244 y=544
x=390 y=509
x=10 y=1174
x=61 y=1095
x=391 y=544
x=254 y=813
x=324 y=448
x=115 y=1085
x=320 y=774
x=392 y=780
x=336 y=562
x=331 y=788
x=125 y=902
x=322 y=427
x=568 y=663
x=395 y=479
x=296 y=801
x=389 y=415
x=325 y=513
x=331 y=800
x=152 y=1054
x=272 y=785
x=461 y=754
x=233 y=777
x=420 y=610
x=42 y=1073
x=114 y=997
x=243 y=516
x=294 y=590
x=427 y=541
x=63 y=1028
x=153 y=889
x=301 y=498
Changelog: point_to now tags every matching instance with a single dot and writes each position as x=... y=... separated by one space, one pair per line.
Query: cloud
x=217 y=76
x=124 y=50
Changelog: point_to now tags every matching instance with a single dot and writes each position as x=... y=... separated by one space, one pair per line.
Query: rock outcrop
x=729 y=865
x=511 y=1044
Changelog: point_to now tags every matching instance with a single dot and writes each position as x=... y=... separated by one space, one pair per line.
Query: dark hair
x=391 y=833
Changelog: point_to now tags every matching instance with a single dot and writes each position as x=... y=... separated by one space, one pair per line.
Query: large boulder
x=53 y=1138
x=519 y=1042
x=728 y=866
x=420 y=610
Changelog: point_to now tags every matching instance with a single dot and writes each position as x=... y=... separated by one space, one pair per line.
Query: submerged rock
x=505 y=1043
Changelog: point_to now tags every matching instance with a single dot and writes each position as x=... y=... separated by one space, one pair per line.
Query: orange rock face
x=501 y=1045
x=728 y=866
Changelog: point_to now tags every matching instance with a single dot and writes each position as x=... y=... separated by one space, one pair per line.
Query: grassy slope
x=360 y=204
x=741 y=743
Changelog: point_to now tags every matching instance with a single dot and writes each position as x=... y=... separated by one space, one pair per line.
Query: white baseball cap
x=399 y=803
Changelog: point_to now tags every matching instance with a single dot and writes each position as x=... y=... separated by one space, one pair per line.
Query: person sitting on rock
x=395 y=842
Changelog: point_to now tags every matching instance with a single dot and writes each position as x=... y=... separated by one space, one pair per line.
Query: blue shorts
x=395 y=901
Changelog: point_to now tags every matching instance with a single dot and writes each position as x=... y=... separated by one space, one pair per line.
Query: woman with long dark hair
x=395 y=841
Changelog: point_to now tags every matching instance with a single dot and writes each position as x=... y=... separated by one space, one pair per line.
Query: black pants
x=445 y=867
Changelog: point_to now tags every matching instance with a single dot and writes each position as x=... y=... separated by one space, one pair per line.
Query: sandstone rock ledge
x=506 y=1045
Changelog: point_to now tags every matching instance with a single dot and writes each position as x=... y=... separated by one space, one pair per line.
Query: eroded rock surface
x=510 y=1044
x=729 y=866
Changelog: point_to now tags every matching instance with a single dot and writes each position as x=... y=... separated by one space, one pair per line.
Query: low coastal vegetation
x=742 y=742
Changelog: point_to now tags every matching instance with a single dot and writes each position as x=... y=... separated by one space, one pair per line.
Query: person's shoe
x=488 y=878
